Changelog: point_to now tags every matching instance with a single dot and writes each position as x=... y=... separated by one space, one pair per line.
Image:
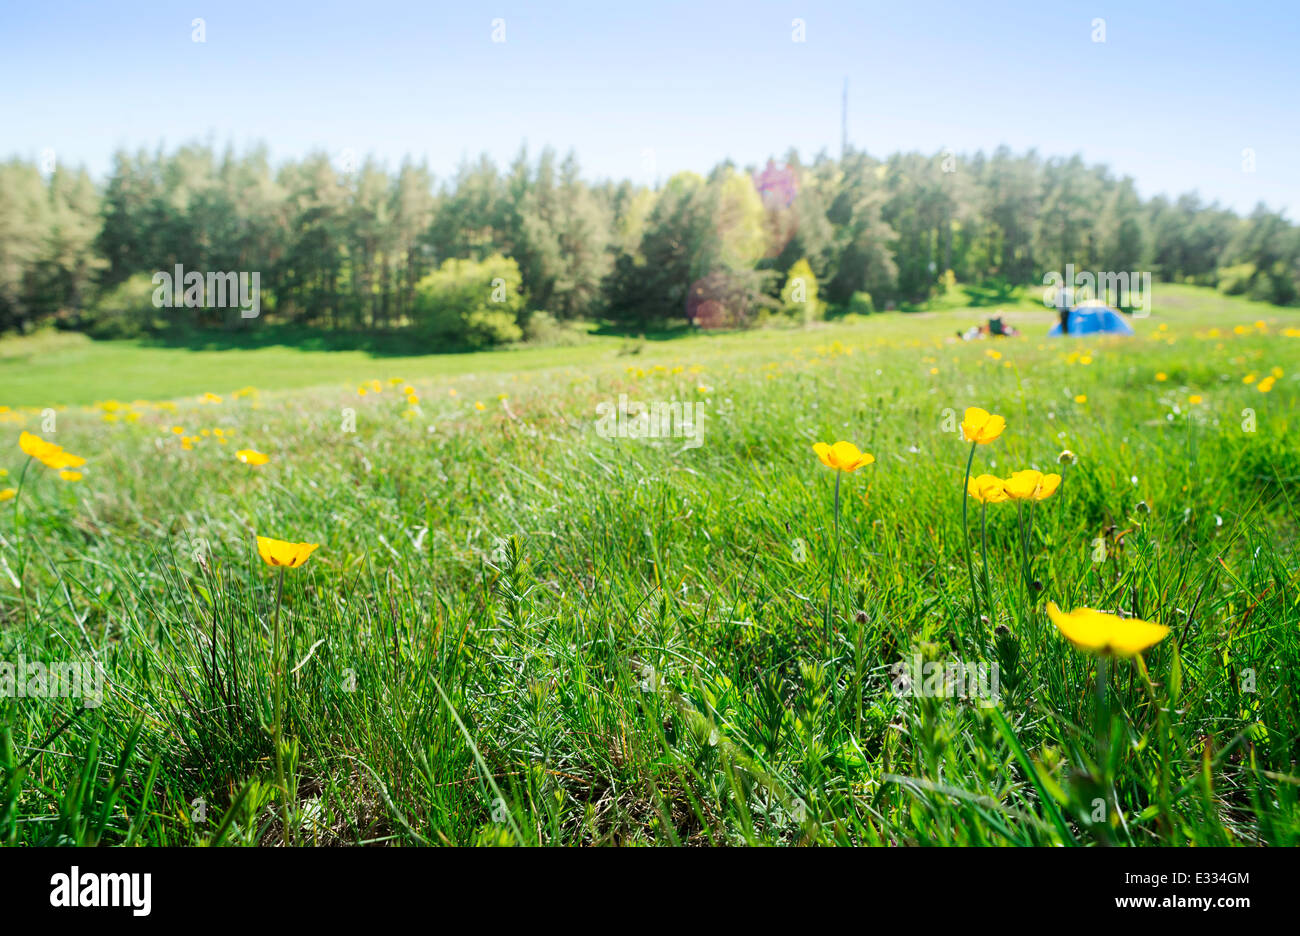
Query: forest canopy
x=376 y=250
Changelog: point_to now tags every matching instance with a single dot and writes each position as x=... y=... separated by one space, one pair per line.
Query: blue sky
x=1172 y=97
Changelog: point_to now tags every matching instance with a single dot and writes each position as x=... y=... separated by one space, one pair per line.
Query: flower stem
x=830 y=594
x=984 y=550
x=1024 y=548
x=18 y=542
x=965 y=529
x=278 y=672
x=1029 y=555
x=1103 y=742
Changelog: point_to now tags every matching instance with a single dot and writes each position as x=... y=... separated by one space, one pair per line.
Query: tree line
x=491 y=255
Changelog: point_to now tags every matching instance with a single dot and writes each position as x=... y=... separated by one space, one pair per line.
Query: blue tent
x=1088 y=320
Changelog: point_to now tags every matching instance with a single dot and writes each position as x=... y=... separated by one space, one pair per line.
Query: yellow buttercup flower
x=47 y=453
x=1099 y=632
x=1031 y=485
x=980 y=426
x=35 y=446
x=1081 y=398
x=479 y=406
x=987 y=489
x=276 y=552
x=251 y=457
x=60 y=459
x=1194 y=399
x=7 y=494
x=1162 y=376
x=842 y=456
x=70 y=475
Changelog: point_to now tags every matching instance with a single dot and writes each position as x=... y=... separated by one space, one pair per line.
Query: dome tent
x=1089 y=318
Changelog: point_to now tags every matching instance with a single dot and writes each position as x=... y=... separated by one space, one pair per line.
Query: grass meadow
x=516 y=630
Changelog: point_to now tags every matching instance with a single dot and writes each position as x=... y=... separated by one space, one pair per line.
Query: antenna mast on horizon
x=844 y=121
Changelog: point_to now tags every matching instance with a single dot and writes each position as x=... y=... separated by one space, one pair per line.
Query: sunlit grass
x=516 y=630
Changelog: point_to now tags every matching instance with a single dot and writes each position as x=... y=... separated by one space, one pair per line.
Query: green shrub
x=799 y=294
x=1235 y=280
x=860 y=304
x=544 y=330
x=125 y=311
x=472 y=303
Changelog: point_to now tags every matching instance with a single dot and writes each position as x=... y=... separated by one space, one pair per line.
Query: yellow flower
x=987 y=489
x=35 y=446
x=1031 y=485
x=1194 y=399
x=8 y=493
x=479 y=405
x=276 y=552
x=1047 y=487
x=251 y=457
x=1162 y=376
x=979 y=426
x=47 y=453
x=70 y=475
x=842 y=456
x=1099 y=632
x=210 y=397
x=62 y=459
x=1081 y=398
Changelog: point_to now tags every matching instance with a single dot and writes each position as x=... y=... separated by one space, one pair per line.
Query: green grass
x=66 y=369
x=516 y=630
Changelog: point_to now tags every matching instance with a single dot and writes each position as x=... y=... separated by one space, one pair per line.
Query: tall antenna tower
x=844 y=121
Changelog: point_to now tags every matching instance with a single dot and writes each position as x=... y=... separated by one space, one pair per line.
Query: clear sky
x=1172 y=97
